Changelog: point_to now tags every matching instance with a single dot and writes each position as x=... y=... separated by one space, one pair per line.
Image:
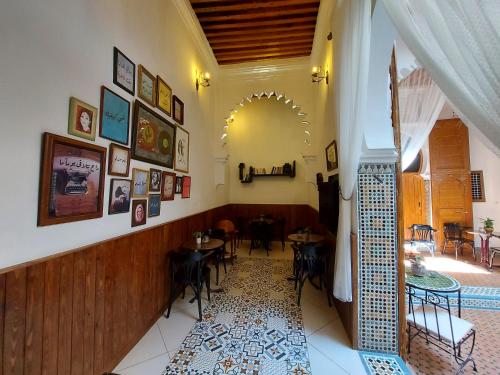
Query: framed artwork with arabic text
x=164 y=96
x=123 y=71
x=178 y=110
x=146 y=86
x=140 y=180
x=114 y=116
x=154 y=205
x=119 y=160
x=181 y=150
x=71 y=180
x=153 y=137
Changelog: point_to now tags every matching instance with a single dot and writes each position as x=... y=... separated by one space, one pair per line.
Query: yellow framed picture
x=164 y=97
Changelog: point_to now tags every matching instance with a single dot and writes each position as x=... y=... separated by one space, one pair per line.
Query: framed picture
x=114 y=116
x=153 y=137
x=154 y=180
x=71 y=181
x=82 y=120
x=178 y=184
x=146 y=86
x=139 y=212
x=186 y=187
x=119 y=196
x=119 y=160
x=181 y=150
x=168 y=186
x=178 y=110
x=123 y=71
x=140 y=179
x=154 y=205
x=331 y=156
x=164 y=96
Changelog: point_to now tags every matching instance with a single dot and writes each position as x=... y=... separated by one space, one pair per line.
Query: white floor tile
x=322 y=365
x=153 y=366
x=333 y=342
x=151 y=345
x=316 y=317
x=177 y=327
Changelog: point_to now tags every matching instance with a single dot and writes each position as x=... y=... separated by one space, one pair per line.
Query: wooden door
x=414 y=211
x=450 y=175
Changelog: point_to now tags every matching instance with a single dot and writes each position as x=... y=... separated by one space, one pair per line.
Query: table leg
x=459 y=303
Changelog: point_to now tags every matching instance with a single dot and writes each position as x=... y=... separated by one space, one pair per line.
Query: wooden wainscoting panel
x=51 y=316
x=15 y=322
x=2 y=319
x=89 y=326
x=78 y=320
x=65 y=315
x=35 y=293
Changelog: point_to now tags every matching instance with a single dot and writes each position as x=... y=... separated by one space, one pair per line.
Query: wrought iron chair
x=187 y=269
x=220 y=253
x=430 y=317
x=230 y=231
x=452 y=234
x=280 y=226
x=260 y=235
x=423 y=235
x=312 y=264
x=493 y=252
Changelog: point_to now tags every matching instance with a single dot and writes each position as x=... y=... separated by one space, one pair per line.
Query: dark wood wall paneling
x=81 y=312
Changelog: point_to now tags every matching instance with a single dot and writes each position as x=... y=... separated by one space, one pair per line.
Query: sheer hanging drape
x=420 y=103
x=351 y=85
x=458 y=43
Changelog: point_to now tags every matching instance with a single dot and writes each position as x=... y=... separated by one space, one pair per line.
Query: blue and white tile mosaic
x=250 y=332
x=383 y=364
x=377 y=258
x=475 y=298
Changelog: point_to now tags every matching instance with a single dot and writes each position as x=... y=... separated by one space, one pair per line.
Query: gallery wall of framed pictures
x=73 y=171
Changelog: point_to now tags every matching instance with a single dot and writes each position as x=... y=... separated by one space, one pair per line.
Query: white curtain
x=351 y=61
x=420 y=103
x=458 y=42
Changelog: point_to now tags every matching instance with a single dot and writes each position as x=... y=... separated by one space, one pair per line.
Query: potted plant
x=488 y=225
x=417 y=266
x=197 y=236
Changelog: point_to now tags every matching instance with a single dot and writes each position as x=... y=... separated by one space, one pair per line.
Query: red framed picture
x=186 y=187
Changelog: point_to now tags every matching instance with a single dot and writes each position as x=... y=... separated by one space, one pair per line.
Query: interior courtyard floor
x=480 y=305
x=328 y=347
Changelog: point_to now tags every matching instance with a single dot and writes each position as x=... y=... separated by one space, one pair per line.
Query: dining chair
x=220 y=253
x=423 y=235
x=230 y=232
x=187 y=269
x=260 y=235
x=280 y=226
x=430 y=317
x=452 y=234
x=311 y=265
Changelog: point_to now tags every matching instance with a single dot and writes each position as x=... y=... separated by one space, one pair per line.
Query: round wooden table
x=304 y=238
x=212 y=244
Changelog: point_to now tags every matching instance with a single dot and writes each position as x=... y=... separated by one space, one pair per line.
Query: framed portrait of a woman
x=82 y=120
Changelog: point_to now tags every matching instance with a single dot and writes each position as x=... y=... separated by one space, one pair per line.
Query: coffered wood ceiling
x=248 y=30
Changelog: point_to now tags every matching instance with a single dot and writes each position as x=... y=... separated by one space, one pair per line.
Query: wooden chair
x=260 y=235
x=280 y=227
x=452 y=234
x=230 y=231
x=187 y=269
x=311 y=265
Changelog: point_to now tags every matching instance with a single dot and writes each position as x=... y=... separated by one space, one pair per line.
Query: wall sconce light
x=317 y=75
x=203 y=79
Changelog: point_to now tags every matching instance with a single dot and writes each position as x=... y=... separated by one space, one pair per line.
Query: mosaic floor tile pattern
x=383 y=364
x=254 y=327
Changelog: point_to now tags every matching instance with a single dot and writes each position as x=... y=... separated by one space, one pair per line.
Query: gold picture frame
x=146 y=86
x=164 y=96
x=82 y=120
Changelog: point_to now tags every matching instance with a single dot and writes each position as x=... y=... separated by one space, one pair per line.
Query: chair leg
x=301 y=284
x=207 y=282
x=170 y=303
x=217 y=261
x=224 y=264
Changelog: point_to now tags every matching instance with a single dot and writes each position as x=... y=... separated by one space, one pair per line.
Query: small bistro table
x=305 y=238
x=435 y=282
x=485 y=244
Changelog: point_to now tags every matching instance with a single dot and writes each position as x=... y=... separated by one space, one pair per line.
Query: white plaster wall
x=54 y=49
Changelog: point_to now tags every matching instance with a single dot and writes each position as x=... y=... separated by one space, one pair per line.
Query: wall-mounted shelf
x=286 y=170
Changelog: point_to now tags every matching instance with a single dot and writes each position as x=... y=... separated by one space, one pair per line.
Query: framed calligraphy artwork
x=71 y=181
x=140 y=179
x=119 y=160
x=182 y=150
x=168 y=186
x=154 y=205
x=123 y=71
x=331 y=156
x=186 y=187
x=178 y=110
x=139 y=212
x=164 y=96
x=114 y=116
x=119 y=196
x=146 y=86
x=153 y=137
x=82 y=120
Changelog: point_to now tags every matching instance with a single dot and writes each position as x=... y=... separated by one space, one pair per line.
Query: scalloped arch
x=267 y=95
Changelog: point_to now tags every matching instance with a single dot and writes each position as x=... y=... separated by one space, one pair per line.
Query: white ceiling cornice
x=323 y=28
x=193 y=25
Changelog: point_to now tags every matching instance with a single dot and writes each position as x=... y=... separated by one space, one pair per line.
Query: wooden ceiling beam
x=270 y=57
x=264 y=51
x=275 y=36
x=309 y=20
x=211 y=7
x=249 y=15
x=216 y=47
x=277 y=30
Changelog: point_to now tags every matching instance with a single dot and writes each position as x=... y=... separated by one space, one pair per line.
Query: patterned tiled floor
x=327 y=344
x=383 y=364
x=255 y=327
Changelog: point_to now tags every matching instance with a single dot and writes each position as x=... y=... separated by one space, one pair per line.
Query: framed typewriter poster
x=71 y=181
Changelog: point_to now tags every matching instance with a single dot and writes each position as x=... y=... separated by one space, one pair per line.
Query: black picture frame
x=116 y=54
x=178 y=110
